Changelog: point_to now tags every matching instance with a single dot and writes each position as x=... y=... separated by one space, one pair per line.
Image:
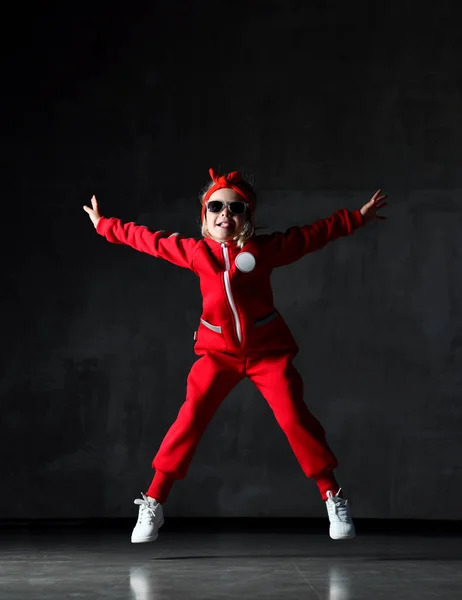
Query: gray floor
x=232 y=564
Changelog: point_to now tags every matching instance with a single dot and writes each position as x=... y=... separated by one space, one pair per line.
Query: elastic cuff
x=357 y=218
x=160 y=487
x=327 y=482
x=101 y=226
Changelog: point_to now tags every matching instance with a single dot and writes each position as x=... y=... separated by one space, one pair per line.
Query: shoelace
x=148 y=509
x=340 y=506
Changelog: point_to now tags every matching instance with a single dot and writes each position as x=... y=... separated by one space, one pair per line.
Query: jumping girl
x=240 y=334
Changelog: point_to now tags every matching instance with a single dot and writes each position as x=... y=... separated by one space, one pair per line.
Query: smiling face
x=223 y=226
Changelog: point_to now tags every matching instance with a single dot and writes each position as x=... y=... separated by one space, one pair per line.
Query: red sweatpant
x=210 y=380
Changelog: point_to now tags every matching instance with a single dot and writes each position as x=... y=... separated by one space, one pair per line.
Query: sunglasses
x=236 y=208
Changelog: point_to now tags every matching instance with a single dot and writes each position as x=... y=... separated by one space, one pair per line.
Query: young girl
x=240 y=334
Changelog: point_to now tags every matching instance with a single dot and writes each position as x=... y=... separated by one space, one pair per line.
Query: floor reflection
x=142 y=583
x=338 y=584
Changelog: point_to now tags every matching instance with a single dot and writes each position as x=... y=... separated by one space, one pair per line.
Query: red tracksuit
x=241 y=334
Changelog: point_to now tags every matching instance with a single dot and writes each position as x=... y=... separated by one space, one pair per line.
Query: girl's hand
x=369 y=210
x=93 y=212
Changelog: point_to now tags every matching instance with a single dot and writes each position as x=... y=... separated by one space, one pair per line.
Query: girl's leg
x=281 y=385
x=210 y=380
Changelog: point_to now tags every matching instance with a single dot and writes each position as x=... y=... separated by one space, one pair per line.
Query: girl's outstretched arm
x=170 y=246
x=291 y=245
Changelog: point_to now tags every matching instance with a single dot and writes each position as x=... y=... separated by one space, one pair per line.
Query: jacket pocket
x=210 y=337
x=214 y=328
x=266 y=320
x=270 y=334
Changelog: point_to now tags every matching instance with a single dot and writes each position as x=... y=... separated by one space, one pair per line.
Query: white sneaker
x=341 y=522
x=150 y=519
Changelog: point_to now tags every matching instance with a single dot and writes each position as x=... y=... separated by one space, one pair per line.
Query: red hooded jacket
x=238 y=313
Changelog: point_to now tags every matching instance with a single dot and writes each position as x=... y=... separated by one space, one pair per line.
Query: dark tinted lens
x=237 y=208
x=214 y=206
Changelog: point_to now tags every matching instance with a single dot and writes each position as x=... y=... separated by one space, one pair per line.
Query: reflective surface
x=242 y=564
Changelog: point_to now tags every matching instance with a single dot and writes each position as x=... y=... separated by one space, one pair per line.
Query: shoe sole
x=144 y=540
x=343 y=537
x=152 y=538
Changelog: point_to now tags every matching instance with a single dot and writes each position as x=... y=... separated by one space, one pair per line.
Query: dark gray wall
x=322 y=104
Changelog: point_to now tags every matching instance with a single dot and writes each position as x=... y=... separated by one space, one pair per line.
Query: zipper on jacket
x=229 y=293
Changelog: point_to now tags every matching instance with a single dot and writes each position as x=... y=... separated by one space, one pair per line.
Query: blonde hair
x=248 y=228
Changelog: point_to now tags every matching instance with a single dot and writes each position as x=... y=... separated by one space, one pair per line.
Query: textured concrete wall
x=322 y=105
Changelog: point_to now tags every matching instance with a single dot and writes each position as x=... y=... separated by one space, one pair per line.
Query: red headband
x=232 y=180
